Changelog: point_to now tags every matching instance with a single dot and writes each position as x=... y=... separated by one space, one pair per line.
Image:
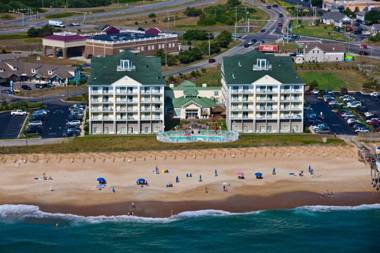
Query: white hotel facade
x=126 y=95
x=262 y=94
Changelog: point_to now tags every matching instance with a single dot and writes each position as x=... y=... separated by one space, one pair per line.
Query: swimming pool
x=198 y=136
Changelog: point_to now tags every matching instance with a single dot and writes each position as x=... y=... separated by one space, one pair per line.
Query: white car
x=73 y=123
x=375 y=94
x=18 y=113
x=35 y=123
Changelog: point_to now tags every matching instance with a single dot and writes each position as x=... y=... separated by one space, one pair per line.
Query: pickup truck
x=18 y=113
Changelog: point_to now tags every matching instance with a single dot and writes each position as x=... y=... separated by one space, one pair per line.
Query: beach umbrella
x=141 y=181
x=101 y=180
x=259 y=175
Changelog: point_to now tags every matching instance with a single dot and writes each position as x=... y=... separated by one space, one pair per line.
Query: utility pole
x=209 y=45
x=235 y=20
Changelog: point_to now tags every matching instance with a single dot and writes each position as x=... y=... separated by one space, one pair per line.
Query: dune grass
x=149 y=143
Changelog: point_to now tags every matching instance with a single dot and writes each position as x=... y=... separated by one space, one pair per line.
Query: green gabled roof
x=202 y=102
x=147 y=72
x=186 y=84
x=238 y=69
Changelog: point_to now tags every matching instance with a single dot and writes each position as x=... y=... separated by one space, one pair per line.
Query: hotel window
x=216 y=93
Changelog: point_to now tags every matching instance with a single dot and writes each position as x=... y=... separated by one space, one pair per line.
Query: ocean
x=320 y=229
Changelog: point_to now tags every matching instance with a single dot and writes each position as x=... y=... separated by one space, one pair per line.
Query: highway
x=17 y=26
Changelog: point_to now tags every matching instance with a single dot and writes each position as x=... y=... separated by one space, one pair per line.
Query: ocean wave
x=322 y=208
x=11 y=212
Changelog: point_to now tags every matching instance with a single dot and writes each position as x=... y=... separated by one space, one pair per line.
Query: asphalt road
x=337 y=125
x=17 y=26
x=10 y=126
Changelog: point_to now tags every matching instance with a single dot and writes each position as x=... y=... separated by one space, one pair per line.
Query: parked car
x=73 y=123
x=18 y=112
x=375 y=94
x=26 y=87
x=40 y=112
x=35 y=123
x=262 y=30
x=211 y=60
x=354 y=104
x=9 y=92
x=361 y=130
x=72 y=132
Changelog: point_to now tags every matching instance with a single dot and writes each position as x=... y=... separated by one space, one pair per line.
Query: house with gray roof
x=335 y=18
x=126 y=94
x=262 y=93
x=322 y=52
x=20 y=70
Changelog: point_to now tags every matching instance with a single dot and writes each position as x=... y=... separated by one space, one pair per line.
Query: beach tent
x=259 y=175
x=141 y=181
x=101 y=180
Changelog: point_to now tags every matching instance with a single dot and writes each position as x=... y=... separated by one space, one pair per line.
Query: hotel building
x=262 y=94
x=126 y=95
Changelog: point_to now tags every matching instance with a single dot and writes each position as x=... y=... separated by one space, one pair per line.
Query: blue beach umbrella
x=141 y=181
x=101 y=180
x=259 y=175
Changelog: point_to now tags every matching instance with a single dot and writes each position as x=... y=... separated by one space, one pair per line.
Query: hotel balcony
x=293 y=116
x=291 y=91
x=266 y=91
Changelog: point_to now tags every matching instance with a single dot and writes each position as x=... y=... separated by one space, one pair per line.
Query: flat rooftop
x=127 y=36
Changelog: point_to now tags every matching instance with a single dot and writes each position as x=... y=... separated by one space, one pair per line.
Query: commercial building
x=147 y=42
x=126 y=94
x=353 y=5
x=262 y=94
x=64 y=44
x=321 y=52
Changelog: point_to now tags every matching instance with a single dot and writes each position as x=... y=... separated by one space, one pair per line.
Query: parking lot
x=53 y=124
x=336 y=124
x=345 y=114
x=10 y=126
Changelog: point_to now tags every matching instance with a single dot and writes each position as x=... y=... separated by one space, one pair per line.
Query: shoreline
x=291 y=177
x=234 y=204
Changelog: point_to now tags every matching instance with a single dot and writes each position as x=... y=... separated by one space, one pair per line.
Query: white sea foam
x=9 y=212
x=25 y=212
x=321 y=208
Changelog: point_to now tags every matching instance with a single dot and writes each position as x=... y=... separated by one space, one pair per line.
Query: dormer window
x=262 y=64
x=50 y=72
x=33 y=71
x=126 y=65
x=2 y=70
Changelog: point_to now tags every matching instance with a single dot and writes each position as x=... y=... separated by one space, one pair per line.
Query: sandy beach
x=70 y=187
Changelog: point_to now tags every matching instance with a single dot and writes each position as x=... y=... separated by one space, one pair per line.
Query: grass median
x=149 y=143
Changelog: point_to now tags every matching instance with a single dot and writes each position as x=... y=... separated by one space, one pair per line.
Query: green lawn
x=13 y=36
x=334 y=79
x=141 y=143
x=320 y=31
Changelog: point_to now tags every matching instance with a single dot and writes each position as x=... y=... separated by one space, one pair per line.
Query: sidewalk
x=32 y=141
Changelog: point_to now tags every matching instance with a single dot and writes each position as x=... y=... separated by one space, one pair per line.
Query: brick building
x=147 y=42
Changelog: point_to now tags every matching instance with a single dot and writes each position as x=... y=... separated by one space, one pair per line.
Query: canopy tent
x=101 y=180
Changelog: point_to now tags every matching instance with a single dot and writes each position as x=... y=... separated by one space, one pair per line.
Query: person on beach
x=113 y=189
x=177 y=179
x=200 y=178
x=216 y=172
x=274 y=172
x=301 y=173
x=224 y=188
